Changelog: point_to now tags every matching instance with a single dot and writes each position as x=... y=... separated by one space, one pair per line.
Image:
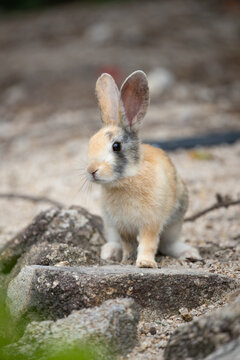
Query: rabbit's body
x=154 y=198
x=155 y=192
x=143 y=197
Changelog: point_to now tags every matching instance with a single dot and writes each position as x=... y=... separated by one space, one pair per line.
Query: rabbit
x=143 y=198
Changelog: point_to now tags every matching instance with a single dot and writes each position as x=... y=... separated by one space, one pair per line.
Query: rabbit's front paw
x=144 y=262
x=111 y=251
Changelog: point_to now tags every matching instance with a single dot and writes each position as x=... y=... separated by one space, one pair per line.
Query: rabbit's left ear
x=108 y=98
x=134 y=100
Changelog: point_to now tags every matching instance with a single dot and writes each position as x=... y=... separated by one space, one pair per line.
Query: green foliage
x=11 y=332
x=75 y=354
x=84 y=353
x=8 y=330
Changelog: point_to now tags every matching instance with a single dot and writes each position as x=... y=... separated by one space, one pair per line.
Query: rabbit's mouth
x=96 y=179
x=100 y=172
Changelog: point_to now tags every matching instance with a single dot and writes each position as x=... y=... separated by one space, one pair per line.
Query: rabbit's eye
x=117 y=146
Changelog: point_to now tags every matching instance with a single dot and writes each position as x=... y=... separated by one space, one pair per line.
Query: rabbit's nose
x=94 y=173
x=92 y=170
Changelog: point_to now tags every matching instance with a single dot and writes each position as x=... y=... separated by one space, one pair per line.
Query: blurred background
x=51 y=53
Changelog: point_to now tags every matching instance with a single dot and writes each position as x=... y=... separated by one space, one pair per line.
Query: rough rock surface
x=57 y=291
x=54 y=254
x=204 y=335
x=229 y=351
x=75 y=227
x=113 y=324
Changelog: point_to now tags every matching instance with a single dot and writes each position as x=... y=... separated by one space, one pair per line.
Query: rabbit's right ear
x=134 y=100
x=108 y=99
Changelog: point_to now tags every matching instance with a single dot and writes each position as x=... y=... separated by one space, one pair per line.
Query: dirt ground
x=49 y=64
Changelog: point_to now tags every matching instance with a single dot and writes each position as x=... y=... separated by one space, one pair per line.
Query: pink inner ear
x=132 y=96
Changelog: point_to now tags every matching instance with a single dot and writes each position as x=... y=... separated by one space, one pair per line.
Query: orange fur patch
x=100 y=140
x=98 y=151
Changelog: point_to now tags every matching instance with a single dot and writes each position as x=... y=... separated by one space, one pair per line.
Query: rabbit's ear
x=134 y=100
x=108 y=99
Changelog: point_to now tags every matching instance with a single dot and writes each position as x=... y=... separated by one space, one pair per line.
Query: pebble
x=152 y=330
x=185 y=314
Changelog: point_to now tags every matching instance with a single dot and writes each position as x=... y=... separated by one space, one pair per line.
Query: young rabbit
x=143 y=197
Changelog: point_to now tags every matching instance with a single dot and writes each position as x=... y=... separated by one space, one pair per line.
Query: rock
x=185 y=314
x=229 y=351
x=159 y=80
x=152 y=330
x=51 y=254
x=113 y=324
x=74 y=227
x=204 y=335
x=55 y=254
x=57 y=291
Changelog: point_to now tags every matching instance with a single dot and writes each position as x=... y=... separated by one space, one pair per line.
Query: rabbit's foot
x=181 y=250
x=111 y=251
x=190 y=252
x=145 y=262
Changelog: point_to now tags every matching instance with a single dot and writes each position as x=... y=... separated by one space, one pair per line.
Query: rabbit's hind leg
x=170 y=243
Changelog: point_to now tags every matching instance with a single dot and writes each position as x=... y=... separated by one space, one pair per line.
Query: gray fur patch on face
x=129 y=154
x=132 y=144
x=121 y=163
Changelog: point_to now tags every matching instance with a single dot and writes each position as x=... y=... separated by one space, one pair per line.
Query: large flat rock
x=48 y=292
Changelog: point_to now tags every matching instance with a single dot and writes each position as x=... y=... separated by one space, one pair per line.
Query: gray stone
x=55 y=254
x=52 y=254
x=205 y=335
x=113 y=324
x=74 y=226
x=56 y=291
x=229 y=351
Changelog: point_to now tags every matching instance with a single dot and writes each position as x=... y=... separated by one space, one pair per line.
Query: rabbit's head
x=114 y=151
